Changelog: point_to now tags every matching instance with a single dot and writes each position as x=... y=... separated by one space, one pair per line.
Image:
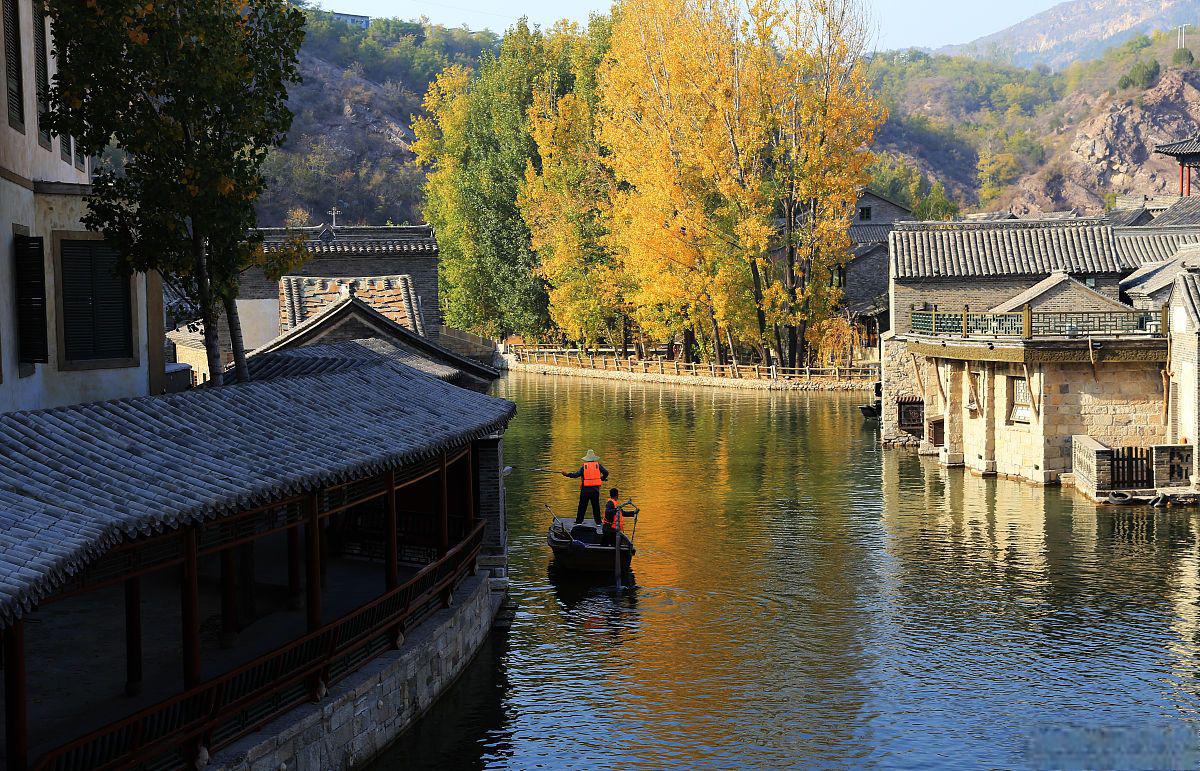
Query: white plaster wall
x=20 y=153
x=260 y=321
x=48 y=386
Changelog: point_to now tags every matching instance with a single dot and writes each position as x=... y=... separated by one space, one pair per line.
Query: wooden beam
x=312 y=575
x=16 y=698
x=133 y=636
x=390 y=543
x=443 y=510
x=189 y=599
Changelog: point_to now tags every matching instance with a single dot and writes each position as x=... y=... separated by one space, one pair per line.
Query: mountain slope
x=1079 y=29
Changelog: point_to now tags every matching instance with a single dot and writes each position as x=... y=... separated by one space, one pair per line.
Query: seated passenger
x=612 y=518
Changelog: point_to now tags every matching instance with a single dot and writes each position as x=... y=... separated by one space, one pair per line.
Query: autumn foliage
x=692 y=167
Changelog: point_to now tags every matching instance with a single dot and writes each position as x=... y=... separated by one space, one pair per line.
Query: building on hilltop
x=1009 y=340
x=353 y=19
x=71 y=330
x=238 y=556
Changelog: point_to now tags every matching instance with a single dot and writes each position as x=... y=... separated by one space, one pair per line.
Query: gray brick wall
x=866 y=277
x=882 y=212
x=981 y=294
x=422 y=268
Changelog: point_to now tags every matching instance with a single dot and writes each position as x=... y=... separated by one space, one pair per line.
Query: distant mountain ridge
x=1079 y=30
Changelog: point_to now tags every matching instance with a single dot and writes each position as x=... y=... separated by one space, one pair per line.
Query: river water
x=806 y=599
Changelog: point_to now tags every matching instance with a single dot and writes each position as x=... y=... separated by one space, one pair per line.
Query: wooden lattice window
x=911 y=415
x=1020 y=400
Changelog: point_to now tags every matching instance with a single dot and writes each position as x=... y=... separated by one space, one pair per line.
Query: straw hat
x=591 y=457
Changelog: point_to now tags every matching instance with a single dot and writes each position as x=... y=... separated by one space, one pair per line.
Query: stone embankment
x=362 y=715
x=815 y=384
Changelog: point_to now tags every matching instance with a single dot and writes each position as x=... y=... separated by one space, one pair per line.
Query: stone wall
x=392 y=296
x=904 y=377
x=364 y=713
x=882 y=212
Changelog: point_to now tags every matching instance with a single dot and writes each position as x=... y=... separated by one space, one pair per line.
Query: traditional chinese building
x=191 y=574
x=1009 y=339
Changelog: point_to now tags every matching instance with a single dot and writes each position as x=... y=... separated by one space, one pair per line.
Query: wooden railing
x=586 y=360
x=1026 y=324
x=222 y=710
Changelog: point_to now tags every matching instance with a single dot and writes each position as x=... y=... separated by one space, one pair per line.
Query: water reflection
x=805 y=599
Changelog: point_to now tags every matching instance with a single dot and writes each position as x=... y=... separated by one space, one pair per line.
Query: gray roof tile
x=76 y=481
x=1004 y=248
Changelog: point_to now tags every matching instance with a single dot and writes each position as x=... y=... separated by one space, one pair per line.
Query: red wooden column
x=472 y=488
x=312 y=575
x=133 y=636
x=16 y=705
x=229 y=605
x=190 y=602
x=390 y=544
x=1181 y=177
x=293 y=563
x=443 y=510
x=1188 y=188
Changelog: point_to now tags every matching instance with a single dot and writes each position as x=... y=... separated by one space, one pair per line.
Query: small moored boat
x=579 y=548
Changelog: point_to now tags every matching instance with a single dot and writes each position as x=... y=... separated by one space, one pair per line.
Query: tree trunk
x=779 y=349
x=240 y=368
x=624 y=336
x=758 y=306
x=718 y=353
x=790 y=278
x=208 y=312
x=732 y=350
x=689 y=345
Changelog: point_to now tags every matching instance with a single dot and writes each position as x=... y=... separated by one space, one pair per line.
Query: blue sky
x=901 y=23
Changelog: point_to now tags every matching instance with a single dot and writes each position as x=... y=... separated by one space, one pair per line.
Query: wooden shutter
x=97 y=307
x=29 y=277
x=42 y=67
x=78 y=156
x=12 y=65
x=65 y=143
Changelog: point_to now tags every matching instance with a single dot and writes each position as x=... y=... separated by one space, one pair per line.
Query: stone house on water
x=1009 y=339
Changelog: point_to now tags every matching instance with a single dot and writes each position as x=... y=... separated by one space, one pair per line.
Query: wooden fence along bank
x=575 y=362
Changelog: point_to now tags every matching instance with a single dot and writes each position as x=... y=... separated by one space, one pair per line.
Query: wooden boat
x=871 y=411
x=577 y=547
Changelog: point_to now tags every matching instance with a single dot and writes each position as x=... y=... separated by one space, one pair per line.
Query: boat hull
x=578 y=549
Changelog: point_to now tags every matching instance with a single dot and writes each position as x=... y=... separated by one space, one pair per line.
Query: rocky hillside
x=1078 y=30
x=1110 y=150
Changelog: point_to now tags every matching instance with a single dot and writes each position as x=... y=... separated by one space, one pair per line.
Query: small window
x=1090 y=282
x=97 y=313
x=13 y=78
x=975 y=391
x=911 y=415
x=864 y=214
x=1020 y=400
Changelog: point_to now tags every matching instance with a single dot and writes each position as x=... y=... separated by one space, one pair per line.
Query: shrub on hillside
x=1143 y=75
x=1183 y=57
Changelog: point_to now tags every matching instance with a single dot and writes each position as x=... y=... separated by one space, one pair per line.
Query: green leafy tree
x=194 y=94
x=475 y=141
x=1183 y=57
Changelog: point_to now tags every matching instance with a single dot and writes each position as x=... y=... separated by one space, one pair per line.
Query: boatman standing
x=591 y=476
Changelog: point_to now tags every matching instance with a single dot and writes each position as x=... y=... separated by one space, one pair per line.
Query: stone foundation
x=364 y=713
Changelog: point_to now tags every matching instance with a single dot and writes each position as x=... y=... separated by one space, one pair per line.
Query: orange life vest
x=591 y=475
x=615 y=520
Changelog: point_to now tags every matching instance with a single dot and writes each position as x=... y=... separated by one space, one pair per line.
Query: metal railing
x=586 y=360
x=222 y=710
x=1029 y=325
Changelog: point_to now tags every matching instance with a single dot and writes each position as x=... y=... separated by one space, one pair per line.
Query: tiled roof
x=1153 y=281
x=1128 y=217
x=76 y=481
x=1185 y=211
x=1190 y=146
x=405 y=299
x=314 y=359
x=1143 y=273
x=990 y=216
x=1187 y=294
x=1140 y=245
x=1014 y=304
x=1008 y=248
x=869 y=234
x=356 y=241
x=398 y=335
x=1151 y=203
